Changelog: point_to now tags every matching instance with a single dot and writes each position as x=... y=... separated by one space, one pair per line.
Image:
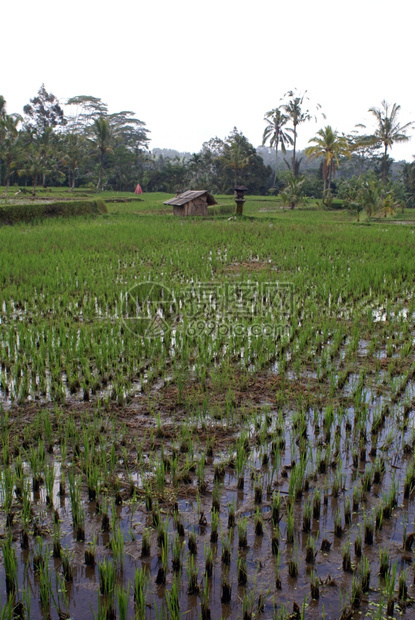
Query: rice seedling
x=140 y=592
x=145 y=544
x=242 y=569
x=106 y=572
x=243 y=533
x=45 y=587
x=192 y=575
x=338 y=527
x=402 y=586
x=368 y=527
x=10 y=564
x=208 y=560
x=67 y=569
x=316 y=504
x=258 y=523
x=177 y=553
x=204 y=601
x=314 y=586
x=49 y=474
x=276 y=508
x=307 y=512
x=293 y=568
x=346 y=558
x=216 y=493
x=172 y=601
x=310 y=550
x=163 y=567
x=214 y=526
x=364 y=573
x=290 y=524
x=192 y=543
x=201 y=474
x=357 y=592
x=390 y=581
x=89 y=554
x=122 y=599
x=226 y=549
x=226 y=587
x=347 y=511
x=231 y=515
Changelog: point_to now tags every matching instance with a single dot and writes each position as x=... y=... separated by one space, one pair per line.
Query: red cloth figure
x=138 y=189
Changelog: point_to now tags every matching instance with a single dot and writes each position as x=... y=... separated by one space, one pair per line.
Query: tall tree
x=104 y=139
x=329 y=145
x=2 y=127
x=43 y=111
x=388 y=131
x=74 y=153
x=237 y=153
x=10 y=144
x=296 y=109
x=42 y=116
x=274 y=132
x=35 y=164
x=88 y=109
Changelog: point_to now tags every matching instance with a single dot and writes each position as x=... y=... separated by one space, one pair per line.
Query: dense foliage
x=84 y=145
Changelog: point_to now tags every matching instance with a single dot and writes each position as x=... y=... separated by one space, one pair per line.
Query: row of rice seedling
x=204 y=469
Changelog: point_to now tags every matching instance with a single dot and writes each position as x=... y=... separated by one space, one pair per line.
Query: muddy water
x=351 y=449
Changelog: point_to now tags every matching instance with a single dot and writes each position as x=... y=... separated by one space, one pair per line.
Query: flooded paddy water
x=259 y=507
x=204 y=474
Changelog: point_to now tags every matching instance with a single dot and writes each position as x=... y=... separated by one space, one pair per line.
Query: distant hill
x=170 y=153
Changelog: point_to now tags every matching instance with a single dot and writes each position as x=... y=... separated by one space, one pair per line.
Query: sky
x=193 y=70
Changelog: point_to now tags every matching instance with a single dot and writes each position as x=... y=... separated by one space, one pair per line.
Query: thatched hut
x=191 y=202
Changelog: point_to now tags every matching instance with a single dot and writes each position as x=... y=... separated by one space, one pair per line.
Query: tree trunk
x=99 y=178
x=8 y=174
x=385 y=156
x=72 y=182
x=294 y=167
x=276 y=162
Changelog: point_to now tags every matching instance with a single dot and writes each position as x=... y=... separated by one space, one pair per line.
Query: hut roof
x=182 y=199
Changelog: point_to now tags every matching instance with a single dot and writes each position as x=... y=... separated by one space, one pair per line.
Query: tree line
x=93 y=148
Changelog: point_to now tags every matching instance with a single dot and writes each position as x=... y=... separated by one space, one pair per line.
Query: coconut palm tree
x=388 y=131
x=294 y=108
x=10 y=145
x=103 y=139
x=293 y=193
x=275 y=134
x=329 y=145
x=34 y=165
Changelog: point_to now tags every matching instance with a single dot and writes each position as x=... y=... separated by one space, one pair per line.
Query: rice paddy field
x=207 y=418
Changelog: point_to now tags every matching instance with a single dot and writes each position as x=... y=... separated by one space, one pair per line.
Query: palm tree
x=275 y=134
x=74 y=153
x=3 y=116
x=294 y=110
x=389 y=131
x=104 y=141
x=34 y=165
x=329 y=145
x=293 y=193
x=9 y=147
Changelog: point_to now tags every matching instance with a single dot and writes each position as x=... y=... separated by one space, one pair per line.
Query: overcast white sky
x=193 y=70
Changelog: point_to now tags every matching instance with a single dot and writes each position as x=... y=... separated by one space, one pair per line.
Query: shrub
x=31 y=212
